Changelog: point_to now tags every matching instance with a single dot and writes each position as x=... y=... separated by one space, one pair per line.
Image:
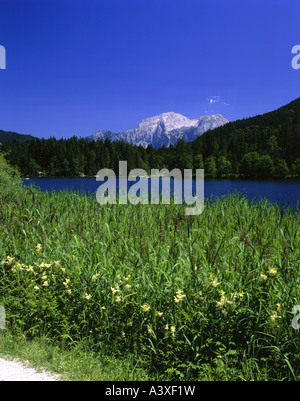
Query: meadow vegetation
x=186 y=295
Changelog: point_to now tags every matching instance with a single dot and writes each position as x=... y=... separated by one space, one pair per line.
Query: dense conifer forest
x=264 y=146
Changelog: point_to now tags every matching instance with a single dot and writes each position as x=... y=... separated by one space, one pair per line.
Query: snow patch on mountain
x=164 y=130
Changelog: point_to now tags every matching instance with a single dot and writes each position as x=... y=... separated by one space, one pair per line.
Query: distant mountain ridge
x=163 y=130
x=6 y=136
x=263 y=146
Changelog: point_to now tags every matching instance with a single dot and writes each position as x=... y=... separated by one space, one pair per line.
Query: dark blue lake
x=284 y=192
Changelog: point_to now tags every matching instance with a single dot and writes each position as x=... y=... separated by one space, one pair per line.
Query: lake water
x=287 y=193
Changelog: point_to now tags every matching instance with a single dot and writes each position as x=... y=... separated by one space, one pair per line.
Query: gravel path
x=18 y=371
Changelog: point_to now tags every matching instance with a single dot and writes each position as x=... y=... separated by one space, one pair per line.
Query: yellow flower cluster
x=223 y=300
x=172 y=329
x=228 y=300
x=264 y=277
x=272 y=271
x=45 y=281
x=115 y=290
x=45 y=265
x=39 y=272
x=8 y=261
x=38 y=248
x=213 y=280
x=95 y=276
x=66 y=284
x=275 y=316
x=179 y=296
x=235 y=295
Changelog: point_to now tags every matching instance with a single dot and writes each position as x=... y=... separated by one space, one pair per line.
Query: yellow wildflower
x=166 y=327
x=264 y=277
x=126 y=279
x=274 y=318
x=69 y=291
x=45 y=283
x=223 y=300
x=145 y=307
x=272 y=271
x=118 y=298
x=173 y=328
x=236 y=295
x=87 y=296
x=179 y=296
x=95 y=276
x=159 y=314
x=213 y=280
x=9 y=260
x=38 y=248
x=45 y=265
x=36 y=287
x=115 y=290
x=66 y=282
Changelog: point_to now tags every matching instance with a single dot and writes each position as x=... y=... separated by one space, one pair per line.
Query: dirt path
x=14 y=370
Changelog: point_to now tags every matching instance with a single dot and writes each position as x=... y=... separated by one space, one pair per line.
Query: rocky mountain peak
x=164 y=129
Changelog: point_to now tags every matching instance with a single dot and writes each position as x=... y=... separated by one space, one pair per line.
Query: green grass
x=187 y=297
x=76 y=364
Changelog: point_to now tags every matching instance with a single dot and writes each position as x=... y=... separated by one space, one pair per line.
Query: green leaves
x=10 y=182
x=220 y=288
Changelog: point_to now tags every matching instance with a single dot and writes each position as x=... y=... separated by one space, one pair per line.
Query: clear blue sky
x=78 y=66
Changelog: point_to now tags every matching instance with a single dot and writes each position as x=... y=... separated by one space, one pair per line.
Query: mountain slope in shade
x=163 y=130
x=6 y=136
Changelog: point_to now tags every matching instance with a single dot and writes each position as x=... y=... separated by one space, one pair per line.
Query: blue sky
x=74 y=67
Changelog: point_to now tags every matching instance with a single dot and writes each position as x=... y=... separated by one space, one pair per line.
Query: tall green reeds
x=188 y=295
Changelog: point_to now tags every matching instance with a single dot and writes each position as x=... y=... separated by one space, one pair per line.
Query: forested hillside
x=6 y=136
x=265 y=146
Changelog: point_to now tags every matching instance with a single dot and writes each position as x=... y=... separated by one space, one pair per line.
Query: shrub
x=10 y=181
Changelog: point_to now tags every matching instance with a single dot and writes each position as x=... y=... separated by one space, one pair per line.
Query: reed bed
x=192 y=297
